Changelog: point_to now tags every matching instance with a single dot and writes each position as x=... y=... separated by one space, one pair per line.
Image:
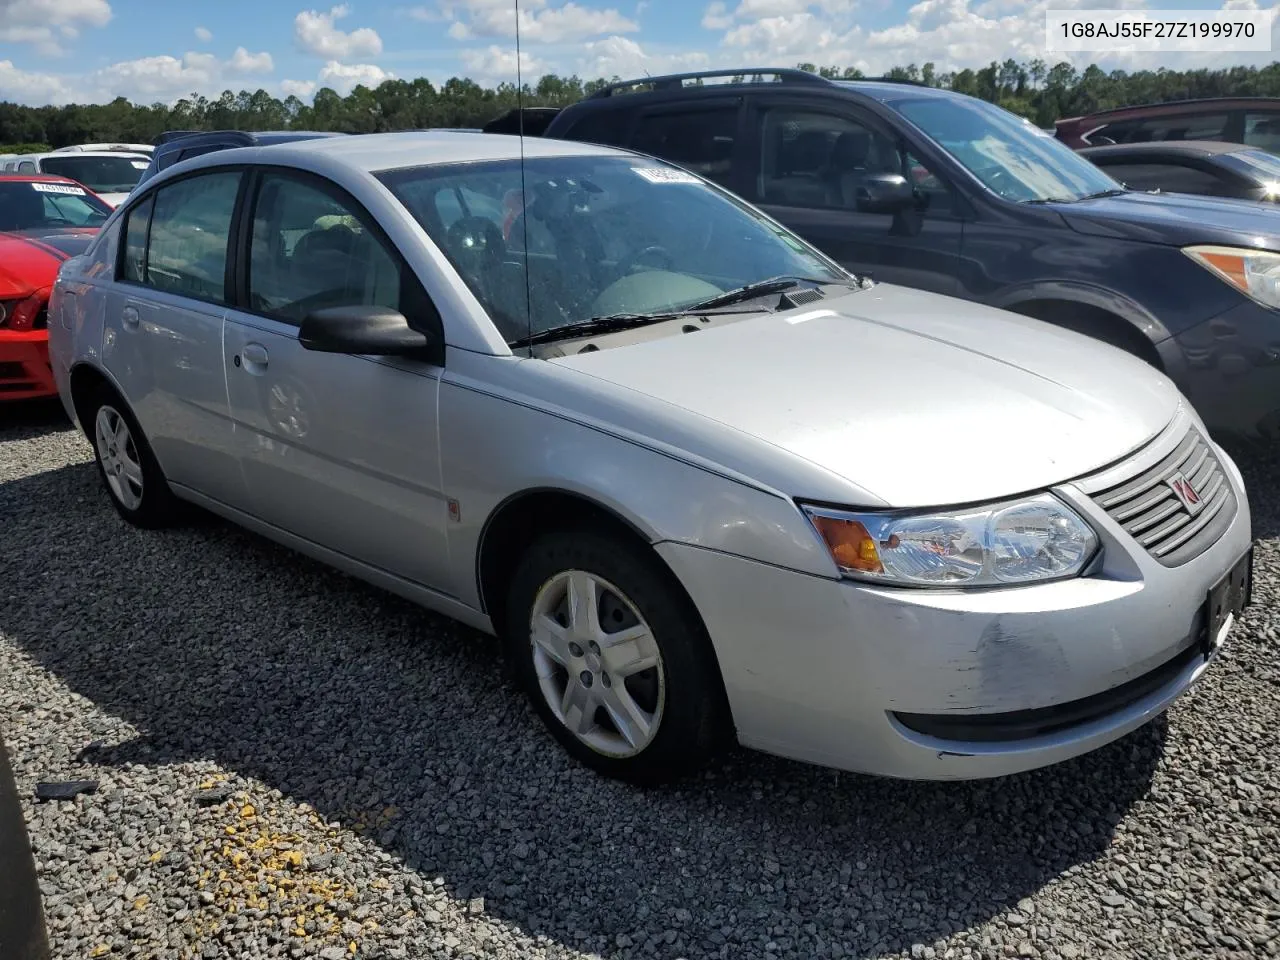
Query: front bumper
x=822 y=670
x=1231 y=370
x=24 y=365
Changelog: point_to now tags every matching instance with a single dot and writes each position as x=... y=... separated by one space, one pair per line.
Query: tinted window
x=602 y=126
x=1194 y=126
x=607 y=235
x=1169 y=177
x=187 y=250
x=309 y=251
x=134 y=265
x=27 y=205
x=1262 y=130
x=26 y=166
x=99 y=174
x=810 y=159
x=700 y=140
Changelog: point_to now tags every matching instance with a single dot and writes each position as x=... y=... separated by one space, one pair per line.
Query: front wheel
x=614 y=658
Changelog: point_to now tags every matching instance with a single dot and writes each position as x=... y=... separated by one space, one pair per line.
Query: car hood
x=913 y=397
x=1176 y=219
x=29 y=259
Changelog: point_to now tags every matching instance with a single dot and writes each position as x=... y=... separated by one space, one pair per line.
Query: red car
x=44 y=220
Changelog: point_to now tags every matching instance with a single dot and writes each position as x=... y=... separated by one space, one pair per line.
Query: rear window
x=116 y=174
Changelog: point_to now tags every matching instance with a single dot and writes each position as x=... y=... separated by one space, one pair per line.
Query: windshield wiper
x=761 y=288
x=1113 y=192
x=606 y=324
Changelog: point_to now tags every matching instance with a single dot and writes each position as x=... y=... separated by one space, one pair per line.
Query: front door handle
x=255 y=357
x=129 y=317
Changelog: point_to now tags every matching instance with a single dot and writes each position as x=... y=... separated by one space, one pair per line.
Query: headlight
x=1025 y=541
x=1255 y=273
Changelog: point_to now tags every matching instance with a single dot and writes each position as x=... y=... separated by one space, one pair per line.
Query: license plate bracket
x=1227 y=598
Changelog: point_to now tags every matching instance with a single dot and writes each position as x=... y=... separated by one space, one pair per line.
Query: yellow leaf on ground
x=247 y=811
x=141 y=902
x=100 y=950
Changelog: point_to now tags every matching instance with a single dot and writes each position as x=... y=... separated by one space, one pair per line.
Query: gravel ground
x=294 y=764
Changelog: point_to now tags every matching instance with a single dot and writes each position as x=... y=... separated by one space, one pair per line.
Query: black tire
x=694 y=721
x=157 y=506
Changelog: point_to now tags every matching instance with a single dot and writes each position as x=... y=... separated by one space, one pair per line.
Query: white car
x=705 y=482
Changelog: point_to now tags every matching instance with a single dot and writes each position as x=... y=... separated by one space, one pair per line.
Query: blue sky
x=58 y=51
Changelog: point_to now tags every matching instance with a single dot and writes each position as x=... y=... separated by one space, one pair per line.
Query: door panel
x=164 y=346
x=808 y=165
x=340 y=449
x=336 y=448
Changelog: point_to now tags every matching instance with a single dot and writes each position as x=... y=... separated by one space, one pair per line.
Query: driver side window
x=309 y=251
x=818 y=160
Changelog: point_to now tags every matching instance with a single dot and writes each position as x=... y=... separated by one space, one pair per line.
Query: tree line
x=1036 y=90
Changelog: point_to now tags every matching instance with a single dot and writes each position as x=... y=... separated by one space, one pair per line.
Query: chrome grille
x=1154 y=515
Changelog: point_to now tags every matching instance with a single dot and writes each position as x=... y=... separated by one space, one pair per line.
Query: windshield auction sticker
x=665 y=175
x=65 y=188
x=1157 y=31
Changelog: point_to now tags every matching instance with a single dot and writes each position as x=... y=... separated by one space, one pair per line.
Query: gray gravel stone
x=379 y=785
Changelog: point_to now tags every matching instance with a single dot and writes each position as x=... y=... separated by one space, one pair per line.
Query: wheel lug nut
x=575 y=650
x=586 y=678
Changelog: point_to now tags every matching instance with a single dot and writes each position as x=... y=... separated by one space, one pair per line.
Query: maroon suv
x=1250 y=120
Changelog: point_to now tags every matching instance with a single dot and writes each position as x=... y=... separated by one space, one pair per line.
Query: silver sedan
x=705 y=484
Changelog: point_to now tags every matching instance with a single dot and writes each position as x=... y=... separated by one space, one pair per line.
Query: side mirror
x=373 y=330
x=884 y=193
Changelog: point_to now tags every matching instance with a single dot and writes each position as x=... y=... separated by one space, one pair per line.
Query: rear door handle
x=129 y=317
x=255 y=357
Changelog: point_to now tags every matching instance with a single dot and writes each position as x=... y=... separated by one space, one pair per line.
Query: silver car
x=850 y=523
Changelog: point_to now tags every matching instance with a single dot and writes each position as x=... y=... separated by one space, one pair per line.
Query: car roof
x=887 y=91
x=383 y=151
x=38 y=178
x=66 y=154
x=1190 y=148
x=1170 y=106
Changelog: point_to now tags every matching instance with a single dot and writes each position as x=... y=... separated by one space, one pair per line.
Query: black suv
x=931 y=189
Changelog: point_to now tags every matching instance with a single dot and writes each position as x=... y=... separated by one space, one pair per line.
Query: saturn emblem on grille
x=1186 y=493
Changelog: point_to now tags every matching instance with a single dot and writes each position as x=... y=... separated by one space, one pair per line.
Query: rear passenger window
x=309 y=251
x=698 y=140
x=1186 y=126
x=134 y=265
x=1262 y=130
x=190 y=227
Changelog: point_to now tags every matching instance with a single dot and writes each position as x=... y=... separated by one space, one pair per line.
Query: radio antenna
x=524 y=218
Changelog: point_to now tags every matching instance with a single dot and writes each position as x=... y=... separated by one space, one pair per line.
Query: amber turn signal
x=851 y=545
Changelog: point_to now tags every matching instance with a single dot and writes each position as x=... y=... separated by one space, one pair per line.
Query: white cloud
x=717 y=17
x=538 y=21
x=204 y=34
x=242 y=61
x=40 y=22
x=35 y=88
x=316 y=34
x=345 y=77
x=623 y=57
x=298 y=88
x=498 y=65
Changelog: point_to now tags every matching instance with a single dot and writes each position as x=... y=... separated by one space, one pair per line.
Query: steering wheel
x=629 y=263
x=477 y=242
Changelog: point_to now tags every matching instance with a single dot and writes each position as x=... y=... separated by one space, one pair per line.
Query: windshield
x=99 y=174
x=605 y=235
x=32 y=205
x=1013 y=157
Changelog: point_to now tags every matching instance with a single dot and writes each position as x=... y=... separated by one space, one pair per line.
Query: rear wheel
x=126 y=465
x=614 y=658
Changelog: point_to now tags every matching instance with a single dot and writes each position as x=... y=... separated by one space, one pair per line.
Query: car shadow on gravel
x=218 y=645
x=31 y=419
x=1259 y=463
